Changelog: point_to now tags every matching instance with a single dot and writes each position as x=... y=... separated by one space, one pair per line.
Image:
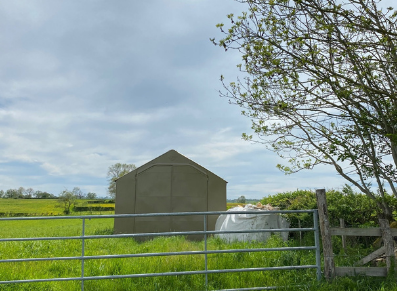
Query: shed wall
x=160 y=186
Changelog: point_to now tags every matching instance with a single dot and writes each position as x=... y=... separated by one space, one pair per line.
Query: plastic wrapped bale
x=263 y=220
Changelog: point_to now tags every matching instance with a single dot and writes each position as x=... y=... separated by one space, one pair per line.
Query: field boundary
x=384 y=231
x=205 y=252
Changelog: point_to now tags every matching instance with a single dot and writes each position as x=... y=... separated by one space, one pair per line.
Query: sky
x=87 y=84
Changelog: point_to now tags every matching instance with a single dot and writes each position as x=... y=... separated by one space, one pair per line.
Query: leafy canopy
x=115 y=172
x=320 y=86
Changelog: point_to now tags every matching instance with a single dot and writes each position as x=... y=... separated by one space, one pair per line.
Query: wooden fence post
x=329 y=264
x=389 y=245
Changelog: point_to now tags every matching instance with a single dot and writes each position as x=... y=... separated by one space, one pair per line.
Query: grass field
x=231 y=205
x=34 y=206
x=45 y=207
x=30 y=270
x=73 y=227
x=14 y=271
x=42 y=207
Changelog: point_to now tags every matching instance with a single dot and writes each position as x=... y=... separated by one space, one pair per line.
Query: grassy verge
x=295 y=280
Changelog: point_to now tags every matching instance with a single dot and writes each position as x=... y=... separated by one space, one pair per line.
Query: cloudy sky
x=86 y=84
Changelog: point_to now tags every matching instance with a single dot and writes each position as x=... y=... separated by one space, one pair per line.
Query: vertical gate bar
x=300 y=233
x=317 y=243
x=342 y=225
x=82 y=256
x=205 y=249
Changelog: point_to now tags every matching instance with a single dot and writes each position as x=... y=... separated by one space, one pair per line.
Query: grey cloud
x=85 y=84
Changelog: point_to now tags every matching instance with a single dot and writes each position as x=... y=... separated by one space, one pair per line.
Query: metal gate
x=205 y=252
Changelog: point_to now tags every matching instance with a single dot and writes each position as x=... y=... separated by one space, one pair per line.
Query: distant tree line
x=68 y=200
x=29 y=193
x=115 y=172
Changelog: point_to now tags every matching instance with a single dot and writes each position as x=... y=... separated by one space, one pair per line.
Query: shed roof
x=171 y=157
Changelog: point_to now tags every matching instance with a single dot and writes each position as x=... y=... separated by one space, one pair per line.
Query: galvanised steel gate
x=204 y=252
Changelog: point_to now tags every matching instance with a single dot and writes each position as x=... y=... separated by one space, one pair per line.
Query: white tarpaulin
x=262 y=220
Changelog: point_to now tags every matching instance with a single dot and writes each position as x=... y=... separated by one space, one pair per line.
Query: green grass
x=42 y=207
x=233 y=204
x=34 y=270
x=33 y=206
x=73 y=227
x=30 y=270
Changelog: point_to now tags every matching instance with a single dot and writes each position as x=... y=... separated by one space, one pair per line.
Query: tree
x=11 y=193
x=21 y=192
x=115 y=172
x=29 y=193
x=241 y=199
x=67 y=200
x=78 y=193
x=320 y=86
x=43 y=195
x=91 y=195
x=2 y=193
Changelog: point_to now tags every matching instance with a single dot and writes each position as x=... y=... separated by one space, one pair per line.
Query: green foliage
x=13 y=193
x=115 y=172
x=22 y=193
x=67 y=200
x=91 y=195
x=241 y=199
x=295 y=200
x=318 y=86
x=93 y=208
x=355 y=208
x=44 y=195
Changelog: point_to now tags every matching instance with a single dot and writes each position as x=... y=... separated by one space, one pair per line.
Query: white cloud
x=220 y=146
x=84 y=85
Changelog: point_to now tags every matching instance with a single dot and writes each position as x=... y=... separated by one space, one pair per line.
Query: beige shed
x=169 y=183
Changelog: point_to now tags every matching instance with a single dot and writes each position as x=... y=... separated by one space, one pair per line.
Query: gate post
x=329 y=264
x=389 y=245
